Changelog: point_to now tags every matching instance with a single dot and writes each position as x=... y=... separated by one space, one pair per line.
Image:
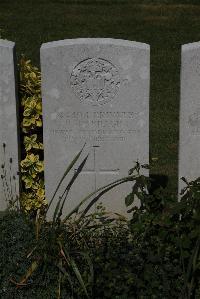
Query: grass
x=165 y=25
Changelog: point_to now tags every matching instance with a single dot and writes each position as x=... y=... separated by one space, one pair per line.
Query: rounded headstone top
x=190 y=46
x=93 y=41
x=6 y=43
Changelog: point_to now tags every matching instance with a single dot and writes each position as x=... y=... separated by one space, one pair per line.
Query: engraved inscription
x=97 y=126
x=194 y=122
x=95 y=81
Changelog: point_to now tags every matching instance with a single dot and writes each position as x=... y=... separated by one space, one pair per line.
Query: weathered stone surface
x=9 y=154
x=189 y=143
x=95 y=91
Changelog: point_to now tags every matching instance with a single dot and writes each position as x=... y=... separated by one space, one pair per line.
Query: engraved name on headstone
x=189 y=143
x=9 y=151
x=95 y=91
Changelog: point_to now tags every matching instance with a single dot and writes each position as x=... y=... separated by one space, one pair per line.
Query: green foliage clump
x=60 y=261
x=166 y=233
x=33 y=197
x=17 y=237
x=155 y=254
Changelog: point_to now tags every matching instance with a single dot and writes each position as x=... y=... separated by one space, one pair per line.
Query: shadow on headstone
x=158 y=180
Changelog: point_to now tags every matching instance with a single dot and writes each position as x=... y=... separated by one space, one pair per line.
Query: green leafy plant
x=82 y=255
x=190 y=223
x=60 y=254
x=167 y=231
x=33 y=196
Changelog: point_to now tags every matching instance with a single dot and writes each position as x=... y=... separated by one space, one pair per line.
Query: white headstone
x=95 y=91
x=9 y=151
x=189 y=144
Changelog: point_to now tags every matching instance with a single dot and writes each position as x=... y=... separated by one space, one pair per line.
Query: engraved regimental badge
x=95 y=81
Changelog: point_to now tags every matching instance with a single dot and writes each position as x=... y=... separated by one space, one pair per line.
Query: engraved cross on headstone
x=96 y=170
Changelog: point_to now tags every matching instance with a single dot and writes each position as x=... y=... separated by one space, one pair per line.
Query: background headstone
x=189 y=143
x=95 y=91
x=9 y=154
